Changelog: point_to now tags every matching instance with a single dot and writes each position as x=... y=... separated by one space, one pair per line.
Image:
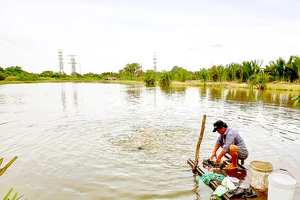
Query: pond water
x=81 y=140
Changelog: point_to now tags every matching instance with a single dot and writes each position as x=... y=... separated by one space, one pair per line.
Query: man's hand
x=218 y=161
x=214 y=155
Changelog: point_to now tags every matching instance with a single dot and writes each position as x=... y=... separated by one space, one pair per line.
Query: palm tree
x=150 y=78
x=217 y=72
x=204 y=74
x=234 y=70
x=165 y=78
x=181 y=75
x=277 y=69
x=293 y=68
x=250 y=68
x=259 y=80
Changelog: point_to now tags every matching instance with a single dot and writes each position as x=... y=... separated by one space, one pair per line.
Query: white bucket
x=281 y=186
x=260 y=171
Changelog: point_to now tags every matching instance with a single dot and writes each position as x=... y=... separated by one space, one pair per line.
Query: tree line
x=250 y=72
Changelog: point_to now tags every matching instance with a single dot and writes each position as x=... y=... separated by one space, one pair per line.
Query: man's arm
x=214 y=154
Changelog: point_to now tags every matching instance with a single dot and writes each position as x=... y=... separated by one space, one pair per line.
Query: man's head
x=220 y=126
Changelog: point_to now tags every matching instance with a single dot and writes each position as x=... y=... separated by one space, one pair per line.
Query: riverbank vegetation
x=279 y=74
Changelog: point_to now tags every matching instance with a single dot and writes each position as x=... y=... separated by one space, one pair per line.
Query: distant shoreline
x=284 y=86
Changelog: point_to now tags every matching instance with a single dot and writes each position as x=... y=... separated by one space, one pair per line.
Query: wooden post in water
x=199 y=143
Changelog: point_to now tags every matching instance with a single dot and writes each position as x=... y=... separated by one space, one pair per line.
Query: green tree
x=277 y=69
x=259 y=80
x=181 y=75
x=2 y=76
x=13 y=71
x=176 y=69
x=293 y=68
x=250 y=68
x=216 y=72
x=47 y=74
x=234 y=71
x=130 y=71
x=92 y=76
x=165 y=78
x=25 y=76
x=76 y=75
x=203 y=75
x=150 y=78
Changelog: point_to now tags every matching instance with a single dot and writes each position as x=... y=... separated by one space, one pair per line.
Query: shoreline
x=284 y=86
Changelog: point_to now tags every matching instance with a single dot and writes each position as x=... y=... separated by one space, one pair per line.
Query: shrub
x=2 y=77
x=11 y=78
x=150 y=78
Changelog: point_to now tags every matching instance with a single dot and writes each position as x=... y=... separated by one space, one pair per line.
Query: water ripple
x=110 y=141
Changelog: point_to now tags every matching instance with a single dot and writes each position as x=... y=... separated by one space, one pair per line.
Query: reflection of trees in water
x=2 y=99
x=63 y=98
x=215 y=93
x=75 y=96
x=133 y=93
x=241 y=95
x=203 y=92
x=281 y=98
x=152 y=90
x=171 y=91
x=155 y=93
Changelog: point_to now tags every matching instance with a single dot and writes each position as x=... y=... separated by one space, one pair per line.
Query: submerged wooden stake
x=199 y=143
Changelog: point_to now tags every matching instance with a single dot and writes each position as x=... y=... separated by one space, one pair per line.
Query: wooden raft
x=243 y=173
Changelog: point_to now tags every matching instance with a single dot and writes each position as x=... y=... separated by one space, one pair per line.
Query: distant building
x=111 y=78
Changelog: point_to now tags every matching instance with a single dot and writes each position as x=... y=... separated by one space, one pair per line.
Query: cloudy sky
x=105 y=35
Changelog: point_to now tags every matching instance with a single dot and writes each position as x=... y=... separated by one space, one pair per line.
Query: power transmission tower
x=73 y=63
x=61 y=64
x=79 y=67
x=154 y=63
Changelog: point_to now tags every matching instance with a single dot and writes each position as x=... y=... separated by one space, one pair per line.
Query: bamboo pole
x=2 y=170
x=199 y=143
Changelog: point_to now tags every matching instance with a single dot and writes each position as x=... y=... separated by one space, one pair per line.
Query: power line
x=18 y=49
x=17 y=43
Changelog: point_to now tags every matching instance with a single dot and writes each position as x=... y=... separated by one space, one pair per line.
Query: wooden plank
x=213 y=184
x=245 y=174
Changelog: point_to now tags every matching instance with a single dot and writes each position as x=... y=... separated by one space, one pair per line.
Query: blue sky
x=105 y=35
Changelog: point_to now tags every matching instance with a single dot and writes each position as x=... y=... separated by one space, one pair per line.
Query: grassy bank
x=285 y=86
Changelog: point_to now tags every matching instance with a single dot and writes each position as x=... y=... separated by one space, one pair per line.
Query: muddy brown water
x=81 y=140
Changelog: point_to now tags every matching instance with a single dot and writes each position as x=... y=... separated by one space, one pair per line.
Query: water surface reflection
x=273 y=97
x=80 y=141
